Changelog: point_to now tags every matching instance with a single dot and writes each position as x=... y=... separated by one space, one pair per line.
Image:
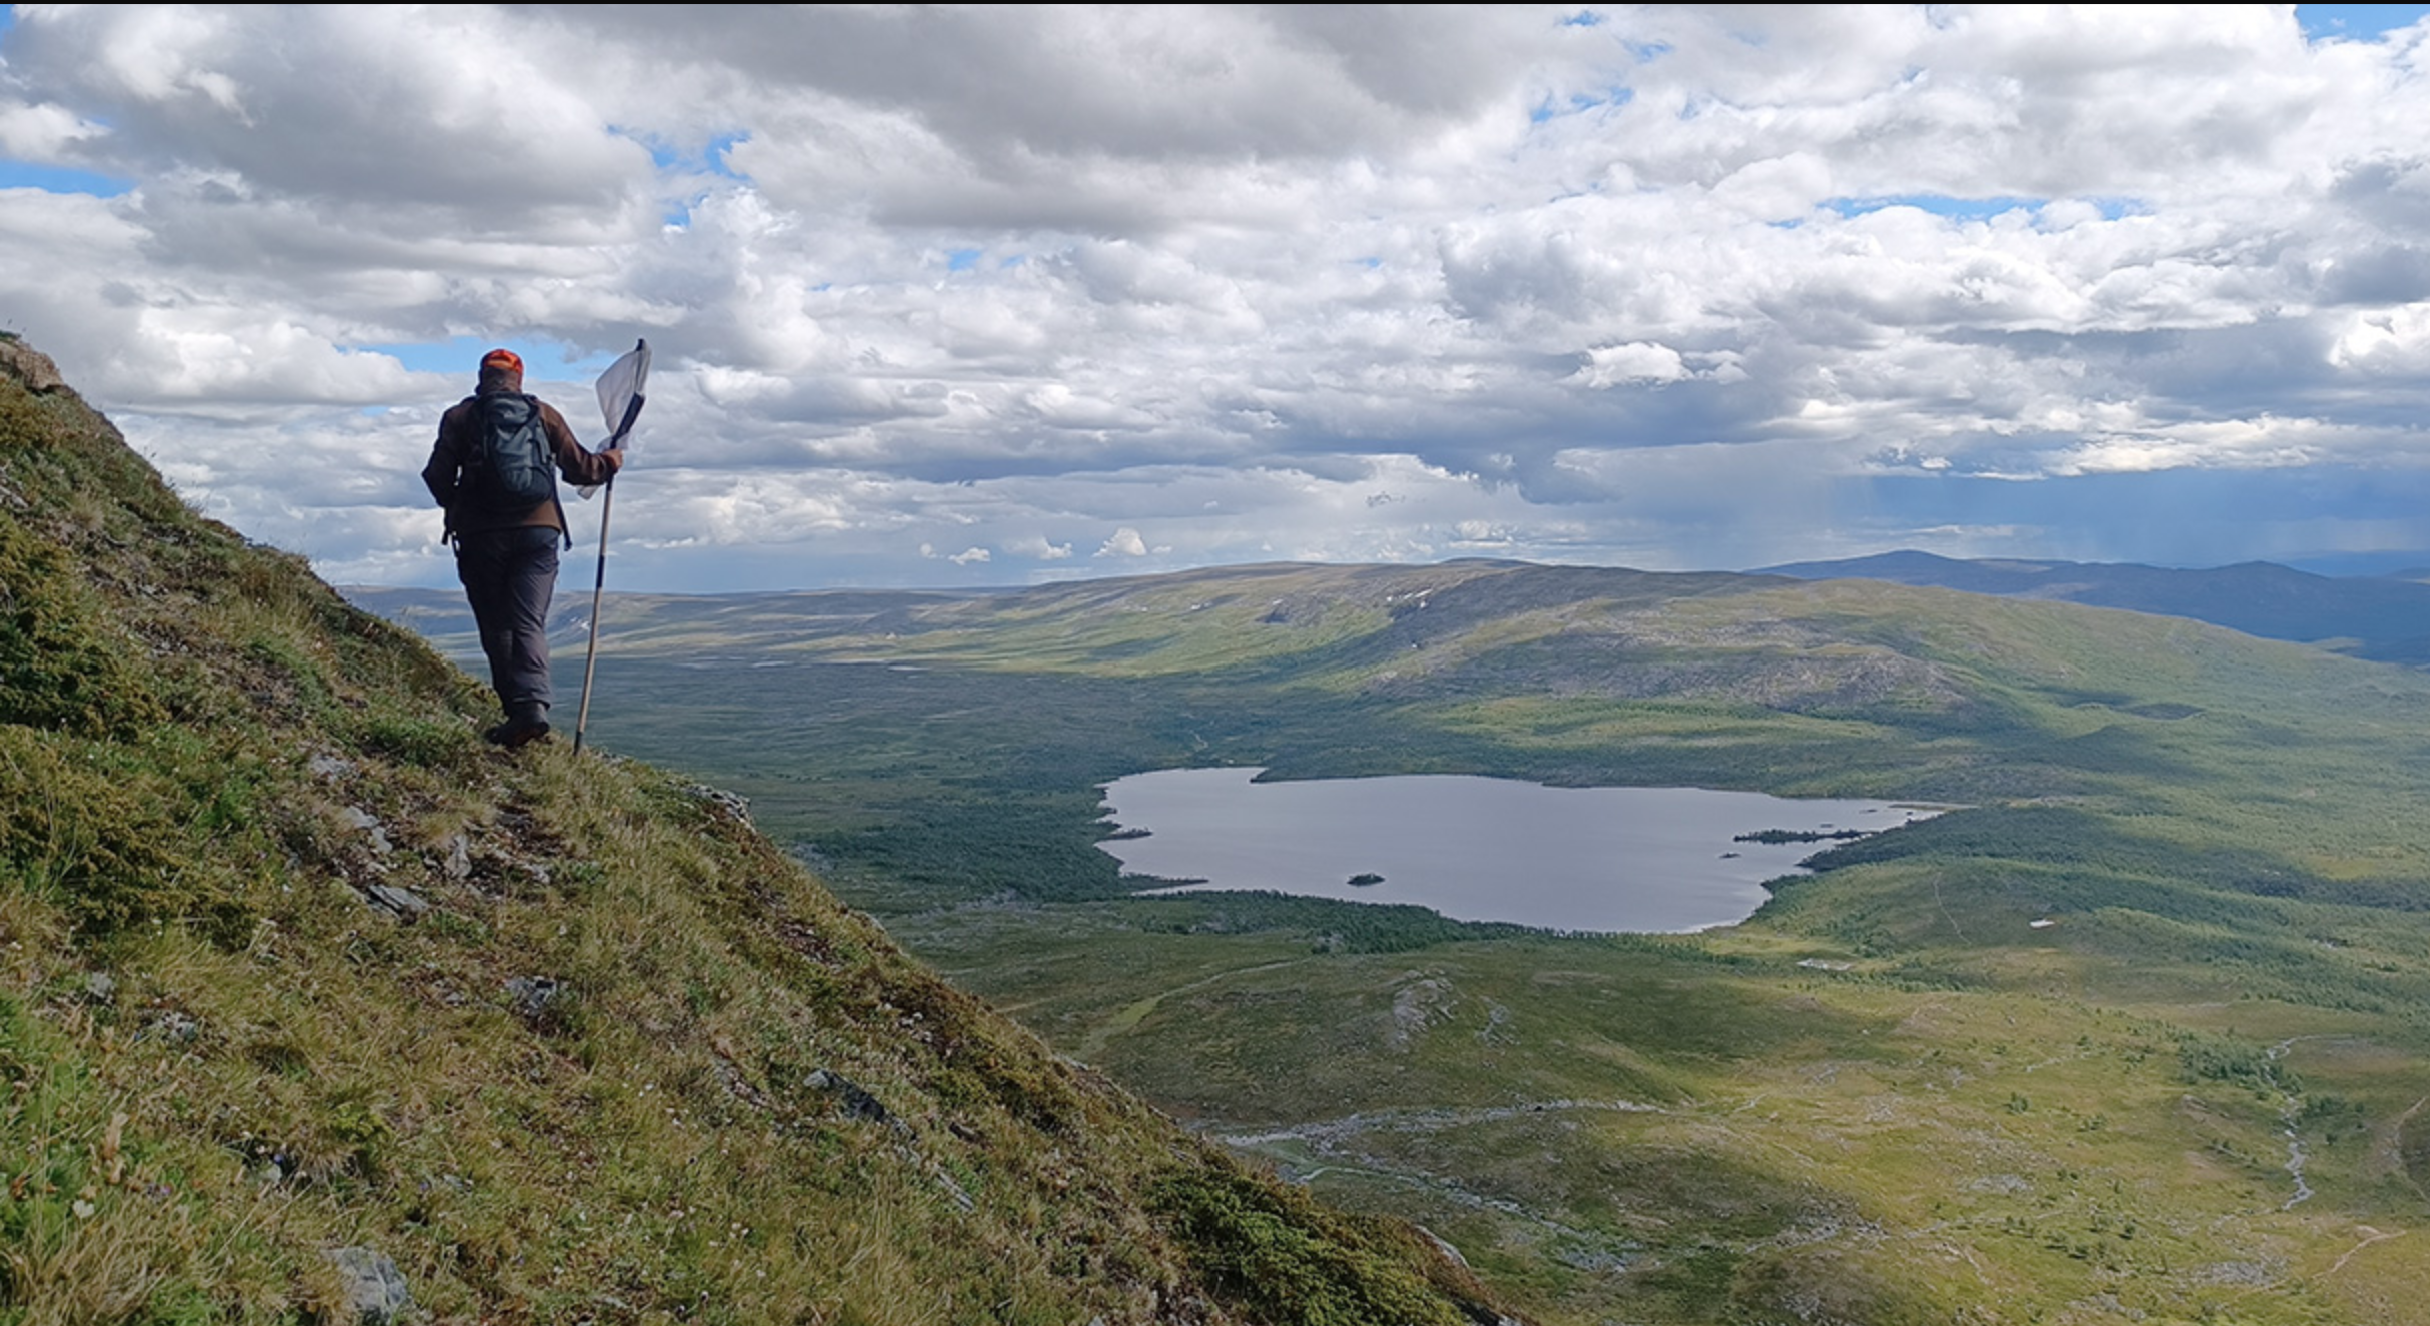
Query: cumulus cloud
x=43 y=133
x=1039 y=547
x=1560 y=285
x=1637 y=361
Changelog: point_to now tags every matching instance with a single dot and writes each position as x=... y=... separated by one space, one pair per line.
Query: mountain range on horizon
x=2385 y=617
x=2380 y=617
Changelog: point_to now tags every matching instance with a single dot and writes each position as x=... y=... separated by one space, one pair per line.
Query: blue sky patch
x=461 y=355
x=52 y=179
x=712 y=158
x=2355 y=22
x=1579 y=102
x=961 y=260
x=60 y=179
x=1938 y=204
x=719 y=156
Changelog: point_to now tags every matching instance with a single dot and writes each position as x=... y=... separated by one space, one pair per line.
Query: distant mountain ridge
x=2377 y=617
x=2386 y=618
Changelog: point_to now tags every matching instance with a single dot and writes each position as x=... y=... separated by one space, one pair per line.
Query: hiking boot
x=523 y=731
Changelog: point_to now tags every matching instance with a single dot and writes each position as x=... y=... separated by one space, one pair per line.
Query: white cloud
x=2385 y=342
x=1637 y=361
x=1003 y=280
x=1039 y=547
x=42 y=133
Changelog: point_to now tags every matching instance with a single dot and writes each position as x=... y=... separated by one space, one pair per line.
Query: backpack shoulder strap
x=565 y=528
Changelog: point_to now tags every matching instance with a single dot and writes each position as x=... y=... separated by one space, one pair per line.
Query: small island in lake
x=1365 y=880
x=1776 y=836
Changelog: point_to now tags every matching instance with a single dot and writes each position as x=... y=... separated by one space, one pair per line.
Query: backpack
x=510 y=468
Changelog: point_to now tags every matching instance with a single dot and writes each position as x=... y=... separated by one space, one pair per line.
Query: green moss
x=417 y=738
x=61 y=668
x=1288 y=1260
x=96 y=844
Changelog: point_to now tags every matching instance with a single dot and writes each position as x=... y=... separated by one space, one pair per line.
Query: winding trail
x=2373 y=1236
x=1943 y=904
x=2397 y=1142
x=1335 y=1148
x=1423 y=1121
x=1132 y=1014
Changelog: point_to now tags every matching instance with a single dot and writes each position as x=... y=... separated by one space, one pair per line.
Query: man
x=494 y=471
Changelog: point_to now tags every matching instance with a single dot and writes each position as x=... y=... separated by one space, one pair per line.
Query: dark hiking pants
x=510 y=575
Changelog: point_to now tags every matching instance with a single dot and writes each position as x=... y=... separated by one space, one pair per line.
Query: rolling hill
x=2141 y=1035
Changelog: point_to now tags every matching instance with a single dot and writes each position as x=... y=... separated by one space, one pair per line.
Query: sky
x=945 y=296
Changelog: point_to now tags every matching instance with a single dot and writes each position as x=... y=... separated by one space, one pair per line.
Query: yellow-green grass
x=222 y=1057
x=1613 y=1130
x=2187 y=909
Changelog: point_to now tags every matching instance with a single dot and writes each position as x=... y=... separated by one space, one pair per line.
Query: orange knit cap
x=506 y=359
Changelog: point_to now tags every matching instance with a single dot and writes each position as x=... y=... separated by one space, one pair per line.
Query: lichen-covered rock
x=375 y=1289
x=533 y=994
x=29 y=366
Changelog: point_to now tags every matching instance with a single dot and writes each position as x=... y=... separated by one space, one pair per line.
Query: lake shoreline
x=1580 y=860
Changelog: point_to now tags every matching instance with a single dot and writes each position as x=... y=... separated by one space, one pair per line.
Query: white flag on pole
x=621 y=397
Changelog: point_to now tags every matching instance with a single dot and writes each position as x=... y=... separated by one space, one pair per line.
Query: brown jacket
x=458 y=434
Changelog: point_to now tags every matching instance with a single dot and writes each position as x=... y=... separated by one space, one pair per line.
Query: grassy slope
x=1961 y=1117
x=218 y=1061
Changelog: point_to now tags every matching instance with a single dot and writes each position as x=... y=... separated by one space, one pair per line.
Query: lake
x=1479 y=849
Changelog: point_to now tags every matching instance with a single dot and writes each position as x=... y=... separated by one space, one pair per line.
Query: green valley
x=2142 y=1035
